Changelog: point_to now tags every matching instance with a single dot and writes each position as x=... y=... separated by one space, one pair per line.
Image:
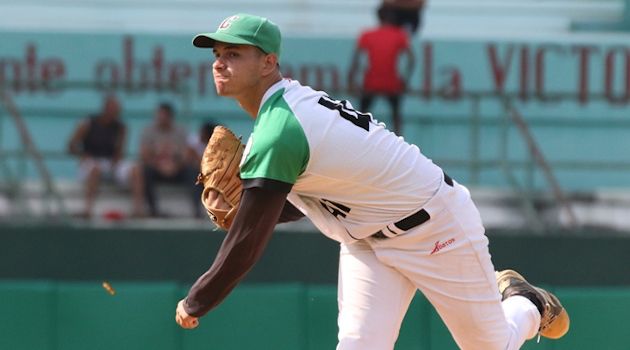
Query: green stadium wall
x=581 y=258
x=78 y=316
x=51 y=294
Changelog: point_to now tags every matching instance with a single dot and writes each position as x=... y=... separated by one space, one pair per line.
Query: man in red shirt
x=384 y=46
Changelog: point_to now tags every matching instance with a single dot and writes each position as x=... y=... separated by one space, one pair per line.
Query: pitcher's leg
x=373 y=299
x=470 y=306
x=449 y=261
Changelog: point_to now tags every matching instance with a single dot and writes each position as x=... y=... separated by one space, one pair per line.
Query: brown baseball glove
x=222 y=185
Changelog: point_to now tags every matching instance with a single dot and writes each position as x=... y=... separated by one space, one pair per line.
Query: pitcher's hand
x=184 y=319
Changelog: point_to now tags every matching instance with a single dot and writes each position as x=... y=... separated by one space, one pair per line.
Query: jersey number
x=336 y=209
x=357 y=118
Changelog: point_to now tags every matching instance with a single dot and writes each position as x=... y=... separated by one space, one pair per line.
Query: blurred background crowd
x=514 y=87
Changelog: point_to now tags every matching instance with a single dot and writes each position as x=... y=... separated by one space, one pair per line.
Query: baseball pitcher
x=403 y=225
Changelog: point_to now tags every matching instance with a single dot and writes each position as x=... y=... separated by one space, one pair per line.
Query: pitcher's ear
x=271 y=62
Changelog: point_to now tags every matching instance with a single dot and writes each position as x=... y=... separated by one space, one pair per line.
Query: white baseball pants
x=447 y=259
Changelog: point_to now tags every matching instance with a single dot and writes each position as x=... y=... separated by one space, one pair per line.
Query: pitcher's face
x=237 y=68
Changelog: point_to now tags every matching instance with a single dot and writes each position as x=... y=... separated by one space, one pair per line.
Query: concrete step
x=499 y=208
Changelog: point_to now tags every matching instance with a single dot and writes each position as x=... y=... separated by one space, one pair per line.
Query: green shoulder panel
x=277 y=148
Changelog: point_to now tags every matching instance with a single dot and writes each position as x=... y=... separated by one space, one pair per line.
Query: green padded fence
x=590 y=258
x=83 y=315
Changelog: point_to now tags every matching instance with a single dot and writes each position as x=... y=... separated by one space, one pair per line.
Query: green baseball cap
x=244 y=29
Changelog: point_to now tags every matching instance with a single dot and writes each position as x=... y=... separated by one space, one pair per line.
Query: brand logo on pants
x=439 y=246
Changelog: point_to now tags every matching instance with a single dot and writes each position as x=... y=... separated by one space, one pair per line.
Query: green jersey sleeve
x=277 y=149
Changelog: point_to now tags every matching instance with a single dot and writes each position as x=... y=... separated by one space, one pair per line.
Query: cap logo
x=227 y=22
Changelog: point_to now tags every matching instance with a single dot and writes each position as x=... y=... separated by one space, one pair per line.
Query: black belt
x=416 y=219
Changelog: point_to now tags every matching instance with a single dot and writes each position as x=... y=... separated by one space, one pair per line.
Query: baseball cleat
x=554 y=320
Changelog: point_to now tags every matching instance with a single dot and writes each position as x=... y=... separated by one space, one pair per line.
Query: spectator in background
x=197 y=143
x=407 y=13
x=384 y=46
x=99 y=142
x=163 y=151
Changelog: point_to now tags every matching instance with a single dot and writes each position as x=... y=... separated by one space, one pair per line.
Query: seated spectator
x=99 y=142
x=163 y=151
x=197 y=142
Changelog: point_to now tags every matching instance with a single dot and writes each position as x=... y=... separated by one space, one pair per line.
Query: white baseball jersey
x=350 y=175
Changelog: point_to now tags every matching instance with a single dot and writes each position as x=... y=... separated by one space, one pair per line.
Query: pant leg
x=195 y=191
x=366 y=102
x=373 y=299
x=523 y=318
x=394 y=103
x=447 y=258
x=150 y=180
x=187 y=176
